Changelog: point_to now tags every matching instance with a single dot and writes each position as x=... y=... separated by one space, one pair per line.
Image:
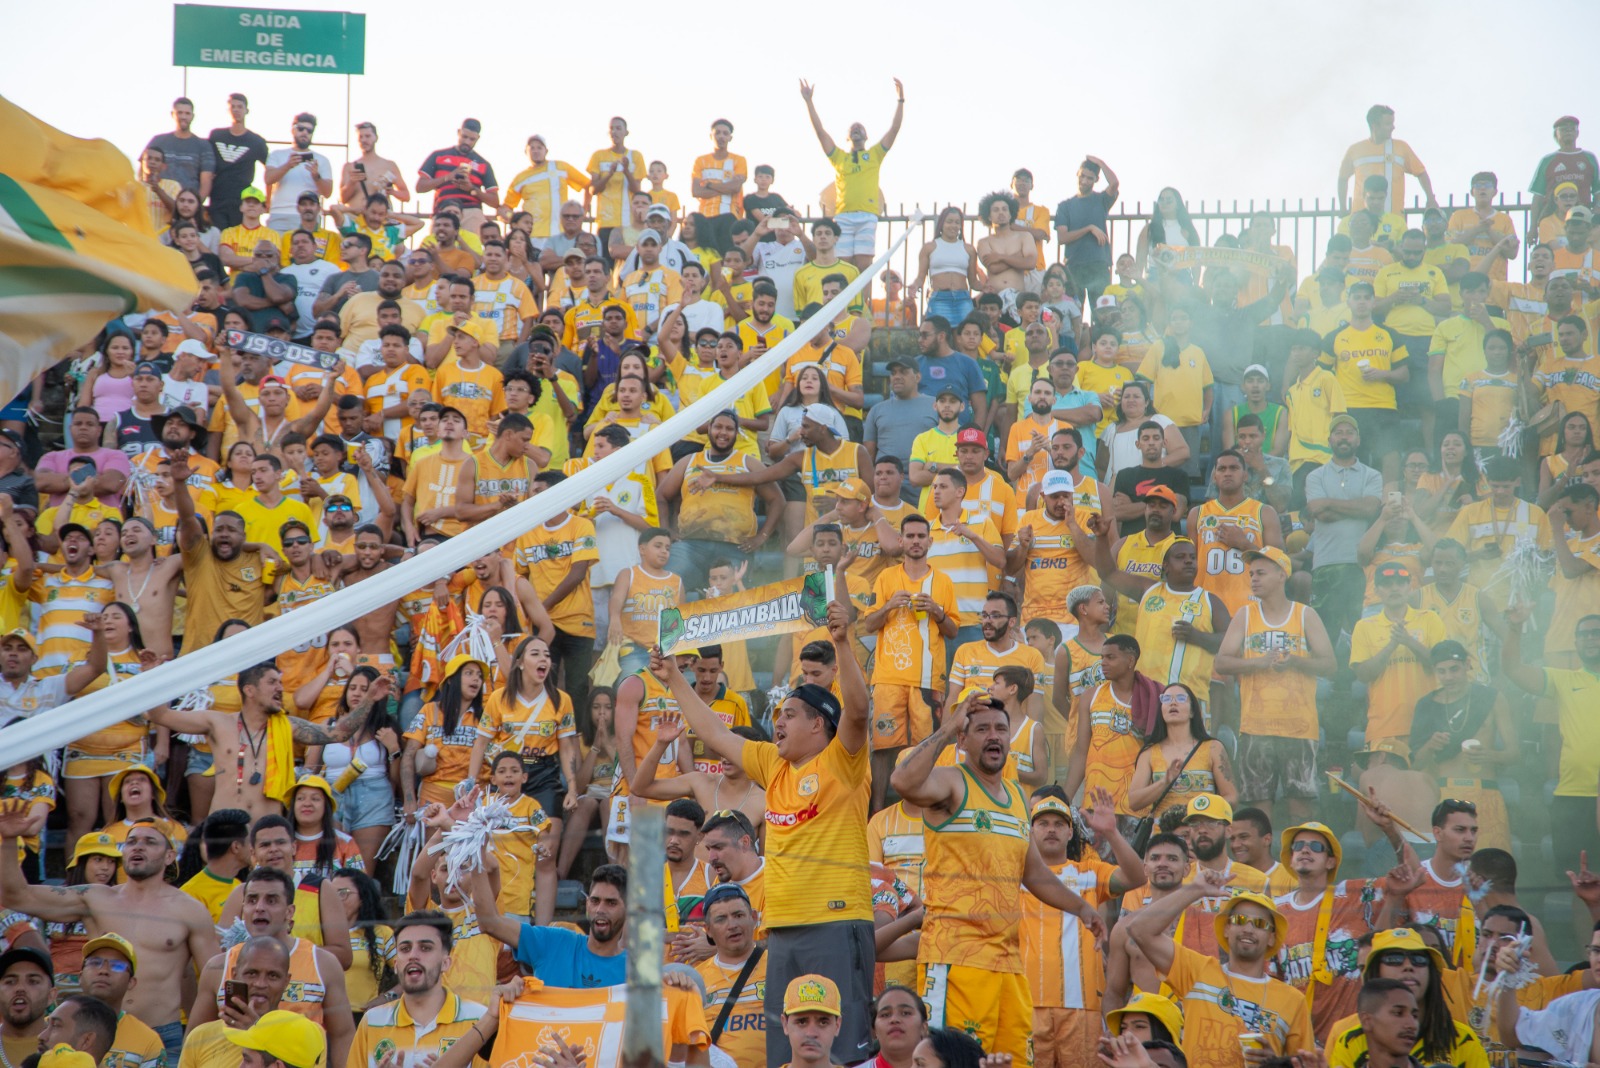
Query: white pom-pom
x=463 y=844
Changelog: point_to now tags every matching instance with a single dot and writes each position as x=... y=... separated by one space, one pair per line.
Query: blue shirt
x=957 y=370
x=1079 y=398
x=558 y=957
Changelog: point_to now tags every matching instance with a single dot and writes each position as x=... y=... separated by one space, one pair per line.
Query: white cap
x=539 y=138
x=193 y=348
x=1057 y=482
x=1256 y=369
x=1106 y=300
x=820 y=413
x=650 y=235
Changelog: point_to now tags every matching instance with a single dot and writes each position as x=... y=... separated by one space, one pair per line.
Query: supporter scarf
x=437 y=627
x=280 y=351
x=1319 y=946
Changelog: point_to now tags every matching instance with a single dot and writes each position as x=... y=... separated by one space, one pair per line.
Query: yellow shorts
x=901 y=716
x=429 y=792
x=996 y=1008
x=80 y=764
x=1060 y=1034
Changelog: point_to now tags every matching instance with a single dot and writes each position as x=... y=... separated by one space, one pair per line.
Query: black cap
x=901 y=361
x=13 y=437
x=1450 y=650
x=950 y=391
x=26 y=955
x=68 y=528
x=307 y=118
x=183 y=414
x=820 y=699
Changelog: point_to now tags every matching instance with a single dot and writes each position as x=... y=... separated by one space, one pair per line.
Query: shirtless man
x=265 y=431
x=171 y=931
x=370 y=173
x=244 y=736
x=1007 y=254
x=375 y=628
x=147 y=582
x=731 y=789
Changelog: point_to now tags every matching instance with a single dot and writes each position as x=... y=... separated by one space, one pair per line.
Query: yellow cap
x=1274 y=554
x=1151 y=1005
x=64 y=1056
x=116 y=942
x=23 y=635
x=316 y=782
x=95 y=844
x=1395 y=747
x=1401 y=938
x=1208 y=806
x=1050 y=804
x=852 y=489
x=1280 y=926
x=136 y=769
x=285 y=1036
x=810 y=993
x=1284 y=852
x=457 y=662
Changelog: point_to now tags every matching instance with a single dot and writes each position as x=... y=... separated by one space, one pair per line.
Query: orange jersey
x=648 y=594
x=1222 y=569
x=975 y=860
x=1350 y=912
x=1280 y=703
x=1113 y=746
x=1060 y=959
x=1056 y=565
x=1219 y=1005
x=910 y=645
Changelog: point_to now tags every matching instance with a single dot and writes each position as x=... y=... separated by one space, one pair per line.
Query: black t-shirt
x=251 y=282
x=444 y=161
x=19 y=485
x=1460 y=720
x=237 y=156
x=135 y=434
x=1132 y=481
x=758 y=207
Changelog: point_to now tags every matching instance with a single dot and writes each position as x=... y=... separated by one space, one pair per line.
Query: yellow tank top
x=1222 y=569
x=647 y=595
x=1277 y=703
x=495 y=478
x=1195 y=778
x=973 y=868
x=820 y=471
x=1086 y=674
x=1462 y=622
x=1113 y=746
x=721 y=513
x=1137 y=557
x=306 y=990
x=1160 y=656
x=301 y=664
x=656 y=703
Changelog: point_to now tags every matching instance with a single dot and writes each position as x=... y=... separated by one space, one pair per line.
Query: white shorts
x=858 y=233
x=617 y=825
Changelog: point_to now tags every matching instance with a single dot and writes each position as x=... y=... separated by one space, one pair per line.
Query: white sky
x=1236 y=99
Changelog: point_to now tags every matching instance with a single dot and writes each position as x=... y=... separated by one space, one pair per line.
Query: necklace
x=716 y=794
x=148 y=572
x=255 y=750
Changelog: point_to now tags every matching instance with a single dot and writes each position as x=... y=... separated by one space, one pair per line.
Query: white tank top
x=949 y=257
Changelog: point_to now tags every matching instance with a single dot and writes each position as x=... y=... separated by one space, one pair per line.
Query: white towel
x=1565 y=1029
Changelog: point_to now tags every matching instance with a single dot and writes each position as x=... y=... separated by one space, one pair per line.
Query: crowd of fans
x=1132 y=552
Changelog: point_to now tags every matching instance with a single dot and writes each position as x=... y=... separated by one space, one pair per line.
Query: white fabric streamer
x=1510 y=439
x=25 y=739
x=404 y=841
x=233 y=934
x=463 y=844
x=1526 y=570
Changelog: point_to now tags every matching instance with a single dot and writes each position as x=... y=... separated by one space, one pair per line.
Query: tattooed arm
x=62 y=904
x=347 y=725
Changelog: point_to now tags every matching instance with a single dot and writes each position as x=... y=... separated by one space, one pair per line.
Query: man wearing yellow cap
x=1206 y=821
x=1221 y=1002
x=1063 y=965
x=281 y=1038
x=978 y=849
x=1326 y=918
x=811 y=1015
x=110 y=968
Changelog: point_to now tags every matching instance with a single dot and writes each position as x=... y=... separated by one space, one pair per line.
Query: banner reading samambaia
x=796 y=604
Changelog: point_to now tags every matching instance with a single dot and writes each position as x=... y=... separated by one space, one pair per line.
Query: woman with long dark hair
x=320 y=697
x=947 y=1047
x=1119 y=441
x=949 y=266
x=371 y=969
x=1169 y=226
x=1457 y=482
x=108 y=387
x=501 y=613
x=899 y=1024
x=438 y=747
x=187 y=208
x=1556 y=471
x=138 y=796
x=364 y=770
x=1401 y=954
x=319 y=846
x=1179 y=738
x=90 y=761
x=231 y=487
x=597 y=767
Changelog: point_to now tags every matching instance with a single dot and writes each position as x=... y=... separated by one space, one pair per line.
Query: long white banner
x=97 y=711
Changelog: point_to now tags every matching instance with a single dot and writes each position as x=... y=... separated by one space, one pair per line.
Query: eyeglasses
x=1395 y=959
x=1310 y=846
x=1174 y=698
x=1260 y=923
x=110 y=965
x=1589 y=632
x=295 y=541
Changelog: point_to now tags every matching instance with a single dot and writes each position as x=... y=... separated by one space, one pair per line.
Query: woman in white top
x=1119 y=442
x=363 y=770
x=949 y=264
x=1169 y=226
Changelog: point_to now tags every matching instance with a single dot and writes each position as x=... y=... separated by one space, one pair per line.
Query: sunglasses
x=1260 y=923
x=1395 y=959
x=335 y=508
x=1312 y=846
x=296 y=541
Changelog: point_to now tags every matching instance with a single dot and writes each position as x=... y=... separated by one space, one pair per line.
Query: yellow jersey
x=388 y=1028
x=1350 y=351
x=1161 y=656
x=1277 y=703
x=708 y=168
x=1424 y=280
x=910 y=645
x=1055 y=564
x=816 y=844
x=1180 y=390
x=1461 y=619
x=976 y=663
x=1222 y=569
x=821 y=471
x=540 y=191
x=975 y=860
x=956 y=556
x=1097 y=379
x=64 y=600
x=1219 y=1005
x=611 y=204
x=1312 y=403
x=1393 y=695
x=545 y=556
x=744 y=1034
x=1113 y=746
x=656 y=704
x=855 y=184
x=1137 y=556
x=722 y=513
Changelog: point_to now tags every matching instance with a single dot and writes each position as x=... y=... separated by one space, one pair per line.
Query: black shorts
x=1269 y=768
x=792 y=488
x=1380 y=433
x=545 y=784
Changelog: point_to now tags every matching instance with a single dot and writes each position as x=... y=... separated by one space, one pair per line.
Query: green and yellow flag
x=786 y=607
x=77 y=247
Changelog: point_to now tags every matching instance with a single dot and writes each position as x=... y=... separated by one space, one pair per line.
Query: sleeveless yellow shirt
x=971 y=878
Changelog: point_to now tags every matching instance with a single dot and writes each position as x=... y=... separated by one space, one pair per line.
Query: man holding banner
x=818 y=895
